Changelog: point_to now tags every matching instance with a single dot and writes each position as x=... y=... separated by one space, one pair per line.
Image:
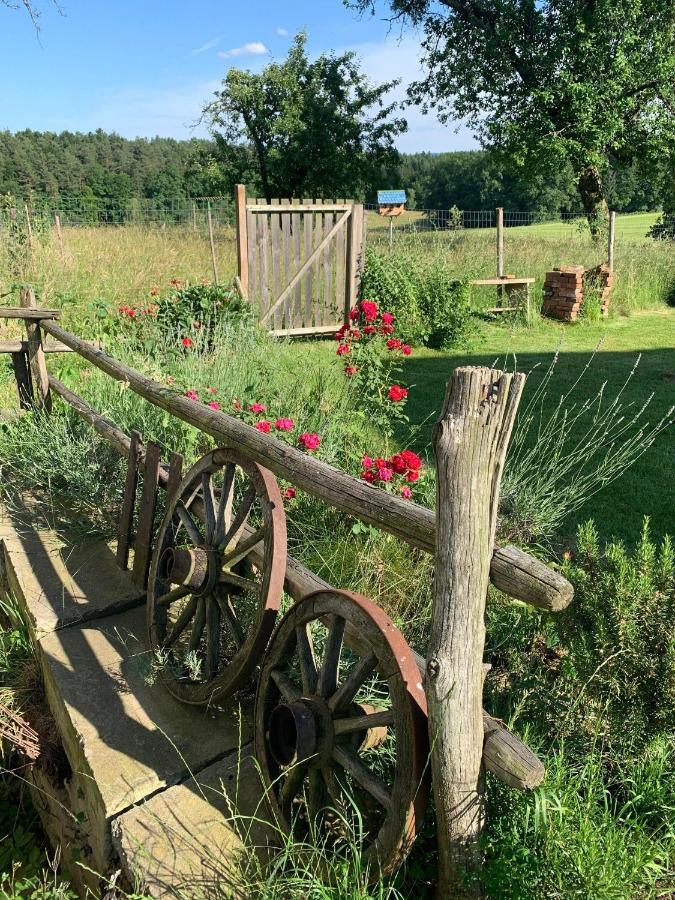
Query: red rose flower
x=370 y=329
x=310 y=441
x=213 y=405
x=289 y=493
x=399 y=465
x=368 y=476
x=351 y=370
x=284 y=424
x=384 y=474
x=387 y=318
x=406 y=493
x=354 y=313
x=257 y=408
x=264 y=426
x=186 y=342
x=192 y=395
x=369 y=310
x=393 y=344
x=406 y=349
x=387 y=329
x=343 y=350
x=397 y=393
x=367 y=462
x=412 y=476
x=355 y=334
x=412 y=460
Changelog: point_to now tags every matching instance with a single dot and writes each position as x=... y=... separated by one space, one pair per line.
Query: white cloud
x=283 y=32
x=253 y=48
x=391 y=59
x=209 y=45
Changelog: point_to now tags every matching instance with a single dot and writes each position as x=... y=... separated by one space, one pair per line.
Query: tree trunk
x=593 y=201
x=470 y=442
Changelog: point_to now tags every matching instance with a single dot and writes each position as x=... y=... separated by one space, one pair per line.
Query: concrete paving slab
x=59 y=583
x=125 y=737
x=189 y=840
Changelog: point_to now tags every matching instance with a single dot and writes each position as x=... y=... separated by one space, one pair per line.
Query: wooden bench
x=513 y=286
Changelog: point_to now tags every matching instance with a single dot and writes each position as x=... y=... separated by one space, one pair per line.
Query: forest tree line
x=35 y=166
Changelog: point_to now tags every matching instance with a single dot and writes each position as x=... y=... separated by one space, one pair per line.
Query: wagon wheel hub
x=196 y=568
x=301 y=732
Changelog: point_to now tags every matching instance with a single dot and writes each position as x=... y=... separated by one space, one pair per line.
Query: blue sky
x=146 y=67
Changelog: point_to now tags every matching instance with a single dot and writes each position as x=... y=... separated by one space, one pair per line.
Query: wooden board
x=128 y=502
x=146 y=515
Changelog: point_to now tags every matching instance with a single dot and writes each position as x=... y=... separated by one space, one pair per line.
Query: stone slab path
x=152 y=782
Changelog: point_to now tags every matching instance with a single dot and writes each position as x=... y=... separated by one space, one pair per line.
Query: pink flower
x=406 y=349
x=393 y=344
x=192 y=395
x=397 y=393
x=343 y=350
x=211 y=391
x=384 y=474
x=186 y=342
x=351 y=370
x=289 y=493
x=257 y=408
x=213 y=404
x=264 y=426
x=387 y=318
x=406 y=493
x=367 y=462
x=369 y=310
x=310 y=441
x=284 y=424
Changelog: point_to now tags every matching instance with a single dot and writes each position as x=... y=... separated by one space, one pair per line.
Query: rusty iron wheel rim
x=207 y=566
x=306 y=725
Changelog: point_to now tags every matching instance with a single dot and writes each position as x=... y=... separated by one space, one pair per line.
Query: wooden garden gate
x=299 y=262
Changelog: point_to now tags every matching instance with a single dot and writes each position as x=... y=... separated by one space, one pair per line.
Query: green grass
x=644 y=489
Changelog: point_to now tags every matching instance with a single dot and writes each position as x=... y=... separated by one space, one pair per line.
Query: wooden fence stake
x=470 y=442
x=59 y=233
x=213 y=246
x=610 y=240
x=129 y=502
x=146 y=515
x=242 y=237
x=36 y=356
x=24 y=385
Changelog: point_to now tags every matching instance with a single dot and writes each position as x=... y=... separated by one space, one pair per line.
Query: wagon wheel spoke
x=292 y=784
x=241 y=517
x=212 y=637
x=378 y=719
x=246 y=584
x=224 y=511
x=176 y=594
x=188 y=523
x=289 y=691
x=362 y=775
x=209 y=506
x=242 y=550
x=198 y=626
x=231 y=619
x=182 y=622
x=335 y=793
x=349 y=688
x=307 y=658
x=327 y=681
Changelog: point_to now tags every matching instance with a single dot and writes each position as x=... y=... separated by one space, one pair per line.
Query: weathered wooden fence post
x=242 y=238
x=470 y=442
x=36 y=354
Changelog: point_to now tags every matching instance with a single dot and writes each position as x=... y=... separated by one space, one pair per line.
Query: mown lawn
x=648 y=486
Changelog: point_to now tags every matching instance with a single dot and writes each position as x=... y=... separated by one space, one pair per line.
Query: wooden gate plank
x=275 y=231
x=251 y=233
x=287 y=308
x=317 y=299
x=263 y=252
x=328 y=284
x=308 y=237
x=296 y=220
x=340 y=265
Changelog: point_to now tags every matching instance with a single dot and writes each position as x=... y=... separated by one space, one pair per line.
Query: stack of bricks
x=563 y=293
x=601 y=280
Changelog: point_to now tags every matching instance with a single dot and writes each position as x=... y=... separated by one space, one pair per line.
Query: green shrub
x=430 y=304
x=190 y=307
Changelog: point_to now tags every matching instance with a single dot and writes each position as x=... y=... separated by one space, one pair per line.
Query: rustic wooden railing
x=470 y=442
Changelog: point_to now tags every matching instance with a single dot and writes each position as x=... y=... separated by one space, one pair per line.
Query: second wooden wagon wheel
x=210 y=610
x=341 y=729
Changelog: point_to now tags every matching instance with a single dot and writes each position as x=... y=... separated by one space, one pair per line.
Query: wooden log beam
x=504 y=754
x=50 y=347
x=530 y=581
x=20 y=312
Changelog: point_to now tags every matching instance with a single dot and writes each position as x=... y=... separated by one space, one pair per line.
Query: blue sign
x=390 y=198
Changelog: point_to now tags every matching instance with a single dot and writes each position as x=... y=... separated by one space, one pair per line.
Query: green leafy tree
x=551 y=83
x=314 y=128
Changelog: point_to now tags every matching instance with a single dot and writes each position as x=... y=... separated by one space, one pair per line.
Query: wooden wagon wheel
x=210 y=612
x=341 y=728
